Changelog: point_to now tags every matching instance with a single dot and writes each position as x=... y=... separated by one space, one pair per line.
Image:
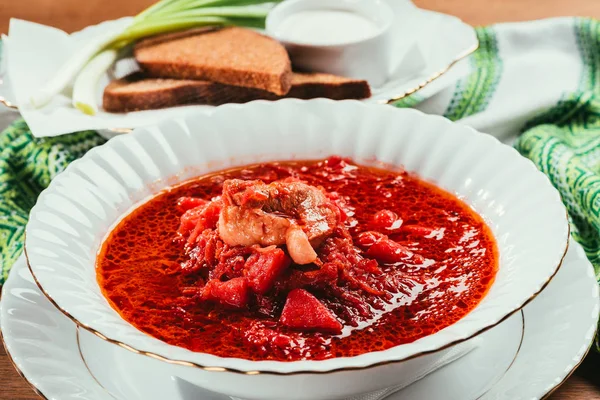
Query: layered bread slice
x=231 y=56
x=313 y=85
x=138 y=92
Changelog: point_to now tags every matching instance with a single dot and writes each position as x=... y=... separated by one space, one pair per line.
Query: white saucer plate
x=526 y=357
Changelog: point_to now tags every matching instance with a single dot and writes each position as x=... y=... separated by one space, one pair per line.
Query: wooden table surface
x=72 y=15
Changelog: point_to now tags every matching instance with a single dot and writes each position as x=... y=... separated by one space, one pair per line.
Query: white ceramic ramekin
x=367 y=58
x=72 y=216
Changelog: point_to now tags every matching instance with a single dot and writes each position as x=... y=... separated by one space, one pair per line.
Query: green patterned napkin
x=535 y=85
x=27 y=165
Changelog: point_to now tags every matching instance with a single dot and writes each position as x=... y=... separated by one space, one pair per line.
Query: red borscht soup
x=299 y=260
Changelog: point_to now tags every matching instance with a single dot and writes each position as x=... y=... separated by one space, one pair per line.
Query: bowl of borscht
x=296 y=249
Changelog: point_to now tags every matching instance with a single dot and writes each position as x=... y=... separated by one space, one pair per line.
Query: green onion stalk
x=89 y=64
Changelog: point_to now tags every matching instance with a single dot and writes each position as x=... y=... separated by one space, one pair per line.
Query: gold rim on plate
x=307 y=372
x=78 y=335
x=19 y=372
x=548 y=393
x=559 y=384
x=433 y=77
x=6 y=103
x=87 y=367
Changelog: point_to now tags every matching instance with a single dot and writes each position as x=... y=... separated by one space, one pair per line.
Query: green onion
x=150 y=28
x=87 y=65
x=84 y=88
x=71 y=69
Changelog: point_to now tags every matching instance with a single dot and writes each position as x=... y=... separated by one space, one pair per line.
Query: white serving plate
x=74 y=214
x=559 y=327
x=427 y=46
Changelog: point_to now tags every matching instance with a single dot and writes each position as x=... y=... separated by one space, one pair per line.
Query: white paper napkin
x=36 y=52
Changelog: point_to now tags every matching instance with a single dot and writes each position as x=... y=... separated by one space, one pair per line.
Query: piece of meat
x=299 y=246
x=189 y=219
x=249 y=226
x=205 y=252
x=206 y=219
x=304 y=311
x=313 y=211
x=283 y=212
x=199 y=218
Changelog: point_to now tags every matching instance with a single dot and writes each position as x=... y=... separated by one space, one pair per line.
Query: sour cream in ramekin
x=326 y=27
x=343 y=37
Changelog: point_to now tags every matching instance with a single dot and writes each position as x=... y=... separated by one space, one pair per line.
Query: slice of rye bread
x=137 y=92
x=312 y=85
x=232 y=56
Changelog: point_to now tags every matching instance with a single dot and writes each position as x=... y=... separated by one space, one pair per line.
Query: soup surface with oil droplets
x=298 y=260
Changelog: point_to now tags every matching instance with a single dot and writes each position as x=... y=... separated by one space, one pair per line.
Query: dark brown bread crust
x=136 y=92
x=231 y=56
x=310 y=86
